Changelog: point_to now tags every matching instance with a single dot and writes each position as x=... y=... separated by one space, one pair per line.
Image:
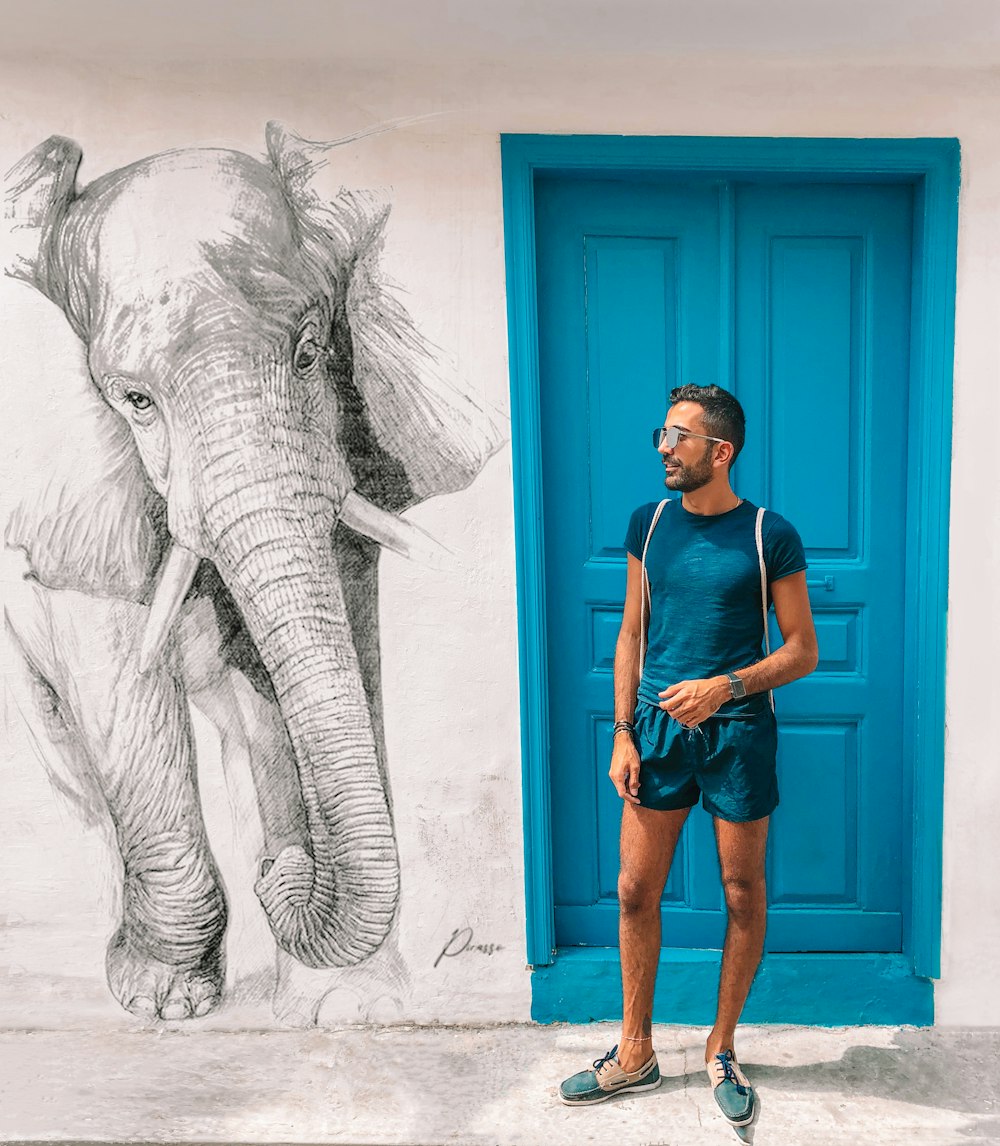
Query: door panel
x=823 y=282
x=806 y=301
x=634 y=271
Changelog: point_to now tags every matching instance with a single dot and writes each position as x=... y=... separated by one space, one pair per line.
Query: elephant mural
x=250 y=412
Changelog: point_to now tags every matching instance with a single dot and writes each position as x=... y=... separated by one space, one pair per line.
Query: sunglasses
x=674 y=434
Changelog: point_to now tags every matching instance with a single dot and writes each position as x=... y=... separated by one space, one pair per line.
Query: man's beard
x=686 y=479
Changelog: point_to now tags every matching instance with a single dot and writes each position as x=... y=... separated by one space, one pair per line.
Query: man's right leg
x=648 y=840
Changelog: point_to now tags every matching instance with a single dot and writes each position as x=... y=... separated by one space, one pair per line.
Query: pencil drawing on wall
x=248 y=411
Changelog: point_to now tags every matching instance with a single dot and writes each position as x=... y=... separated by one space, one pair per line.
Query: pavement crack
x=688 y=1092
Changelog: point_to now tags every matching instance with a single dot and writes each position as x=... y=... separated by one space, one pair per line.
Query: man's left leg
x=741 y=849
x=741 y=858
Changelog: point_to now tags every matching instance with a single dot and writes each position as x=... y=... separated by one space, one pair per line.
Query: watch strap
x=737 y=689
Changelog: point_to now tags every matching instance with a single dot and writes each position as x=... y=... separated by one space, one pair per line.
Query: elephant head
x=263 y=392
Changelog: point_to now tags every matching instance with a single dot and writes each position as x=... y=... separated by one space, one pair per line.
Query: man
x=693 y=717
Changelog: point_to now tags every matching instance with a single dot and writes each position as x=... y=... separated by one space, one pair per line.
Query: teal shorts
x=729 y=759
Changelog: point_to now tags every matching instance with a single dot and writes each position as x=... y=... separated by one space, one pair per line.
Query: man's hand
x=624 y=771
x=692 y=701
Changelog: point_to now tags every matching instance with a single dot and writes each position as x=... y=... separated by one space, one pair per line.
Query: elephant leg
x=165 y=959
x=259 y=768
x=249 y=724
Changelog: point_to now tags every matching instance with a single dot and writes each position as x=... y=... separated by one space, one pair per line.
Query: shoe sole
x=636 y=1088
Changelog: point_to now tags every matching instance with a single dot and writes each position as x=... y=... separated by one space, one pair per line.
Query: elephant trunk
x=330 y=903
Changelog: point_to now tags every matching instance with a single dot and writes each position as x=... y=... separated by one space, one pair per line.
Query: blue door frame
x=577 y=984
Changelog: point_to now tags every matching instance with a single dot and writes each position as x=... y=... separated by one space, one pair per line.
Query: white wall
x=451 y=671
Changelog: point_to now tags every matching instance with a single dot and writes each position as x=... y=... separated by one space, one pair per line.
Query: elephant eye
x=307 y=352
x=138 y=401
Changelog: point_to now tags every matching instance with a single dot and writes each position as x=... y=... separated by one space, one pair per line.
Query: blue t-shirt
x=704 y=578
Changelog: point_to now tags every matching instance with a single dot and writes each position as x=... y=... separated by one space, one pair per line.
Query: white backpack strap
x=647 y=597
x=759 y=536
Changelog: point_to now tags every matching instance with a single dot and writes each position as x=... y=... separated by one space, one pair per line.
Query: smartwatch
x=737 y=689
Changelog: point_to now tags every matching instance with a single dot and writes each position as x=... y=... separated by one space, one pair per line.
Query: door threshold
x=826 y=989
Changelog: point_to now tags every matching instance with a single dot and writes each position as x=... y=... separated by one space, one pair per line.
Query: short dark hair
x=723 y=416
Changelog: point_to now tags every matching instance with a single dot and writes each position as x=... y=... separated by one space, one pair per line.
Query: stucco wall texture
x=449 y=634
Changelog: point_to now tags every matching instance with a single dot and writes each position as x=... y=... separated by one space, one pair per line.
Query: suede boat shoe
x=731 y=1088
x=607 y=1079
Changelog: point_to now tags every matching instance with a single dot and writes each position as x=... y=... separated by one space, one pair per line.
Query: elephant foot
x=330 y=1005
x=152 y=989
x=380 y=1011
x=376 y=991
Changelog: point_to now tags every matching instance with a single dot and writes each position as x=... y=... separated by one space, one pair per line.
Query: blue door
x=797 y=298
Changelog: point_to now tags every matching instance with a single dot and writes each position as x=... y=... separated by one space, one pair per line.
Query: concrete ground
x=492 y=1086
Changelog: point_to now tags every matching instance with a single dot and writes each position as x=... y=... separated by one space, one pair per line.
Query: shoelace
x=598 y=1063
x=728 y=1073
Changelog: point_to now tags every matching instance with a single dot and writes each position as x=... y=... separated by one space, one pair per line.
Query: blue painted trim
x=584 y=985
x=519 y=220
x=727 y=290
x=932 y=358
x=904 y=160
x=932 y=165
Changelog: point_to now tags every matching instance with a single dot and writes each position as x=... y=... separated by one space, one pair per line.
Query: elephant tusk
x=402 y=537
x=176 y=575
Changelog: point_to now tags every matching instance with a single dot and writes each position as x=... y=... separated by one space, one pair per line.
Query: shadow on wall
x=234 y=413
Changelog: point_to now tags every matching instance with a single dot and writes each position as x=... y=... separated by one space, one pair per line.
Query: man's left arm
x=799 y=655
x=692 y=701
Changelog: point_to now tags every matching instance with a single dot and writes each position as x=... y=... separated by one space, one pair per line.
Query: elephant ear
x=38 y=192
x=440 y=436
x=412 y=433
x=79 y=504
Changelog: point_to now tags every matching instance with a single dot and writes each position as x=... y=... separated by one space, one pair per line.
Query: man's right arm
x=627 y=648
x=624 y=771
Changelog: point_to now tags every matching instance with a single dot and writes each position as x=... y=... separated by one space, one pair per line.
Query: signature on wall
x=460 y=941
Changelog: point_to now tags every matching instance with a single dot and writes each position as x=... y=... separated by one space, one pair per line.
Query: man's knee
x=746 y=898
x=637 y=892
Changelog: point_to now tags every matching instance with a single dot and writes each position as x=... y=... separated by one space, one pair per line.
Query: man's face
x=689 y=464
